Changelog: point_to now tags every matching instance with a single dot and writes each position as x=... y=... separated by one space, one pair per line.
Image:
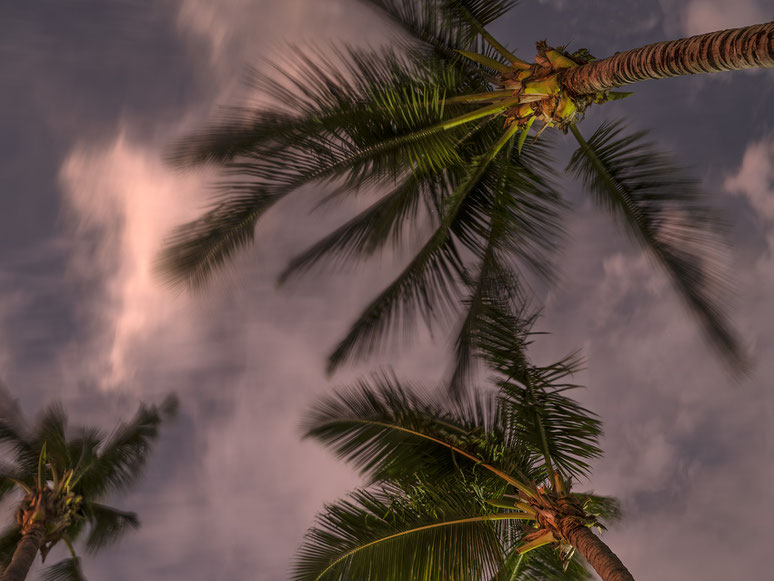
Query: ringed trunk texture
x=726 y=50
x=604 y=561
x=24 y=554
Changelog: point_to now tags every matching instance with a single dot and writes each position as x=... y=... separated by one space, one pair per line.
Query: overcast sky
x=91 y=92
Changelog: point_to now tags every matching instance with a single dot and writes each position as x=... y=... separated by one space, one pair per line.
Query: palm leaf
x=392 y=535
x=429 y=281
x=367 y=232
x=9 y=538
x=66 y=570
x=668 y=215
x=551 y=424
x=123 y=455
x=107 y=525
x=391 y=433
x=517 y=215
x=544 y=564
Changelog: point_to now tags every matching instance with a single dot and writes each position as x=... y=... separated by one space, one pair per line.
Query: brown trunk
x=726 y=50
x=24 y=554
x=604 y=561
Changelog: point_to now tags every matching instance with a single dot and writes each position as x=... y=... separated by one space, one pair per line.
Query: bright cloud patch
x=701 y=16
x=755 y=179
x=122 y=203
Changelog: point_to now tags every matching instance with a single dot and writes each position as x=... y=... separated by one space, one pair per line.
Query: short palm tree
x=473 y=490
x=65 y=475
x=440 y=123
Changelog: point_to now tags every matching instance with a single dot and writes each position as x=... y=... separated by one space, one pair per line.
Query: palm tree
x=477 y=489
x=440 y=122
x=64 y=477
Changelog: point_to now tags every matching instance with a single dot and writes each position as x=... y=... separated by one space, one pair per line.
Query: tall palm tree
x=65 y=475
x=477 y=489
x=440 y=123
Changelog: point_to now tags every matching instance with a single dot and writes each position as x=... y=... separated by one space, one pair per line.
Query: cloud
x=701 y=16
x=121 y=202
x=755 y=178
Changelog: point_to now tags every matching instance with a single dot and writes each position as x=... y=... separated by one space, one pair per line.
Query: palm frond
x=362 y=118
x=194 y=251
x=123 y=456
x=427 y=23
x=544 y=564
x=9 y=538
x=402 y=535
x=668 y=215
x=392 y=433
x=50 y=431
x=107 y=525
x=429 y=284
x=515 y=212
x=606 y=508
x=66 y=570
x=551 y=424
x=369 y=231
x=13 y=434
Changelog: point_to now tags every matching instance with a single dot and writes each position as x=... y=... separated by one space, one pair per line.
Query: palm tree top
x=440 y=122
x=66 y=473
x=477 y=489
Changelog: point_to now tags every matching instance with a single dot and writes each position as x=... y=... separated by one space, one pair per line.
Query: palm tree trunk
x=604 y=561
x=24 y=554
x=726 y=50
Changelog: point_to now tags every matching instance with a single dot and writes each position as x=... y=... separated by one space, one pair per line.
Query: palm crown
x=441 y=124
x=474 y=489
x=65 y=474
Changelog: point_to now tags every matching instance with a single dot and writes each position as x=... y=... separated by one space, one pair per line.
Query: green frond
x=483 y=11
x=668 y=215
x=544 y=564
x=427 y=23
x=194 y=251
x=9 y=538
x=401 y=535
x=107 y=525
x=494 y=290
x=515 y=212
x=429 y=284
x=66 y=570
x=549 y=422
x=382 y=222
x=391 y=433
x=122 y=457
x=364 y=118
x=605 y=508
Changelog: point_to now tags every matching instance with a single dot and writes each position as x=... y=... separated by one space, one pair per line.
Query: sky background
x=92 y=91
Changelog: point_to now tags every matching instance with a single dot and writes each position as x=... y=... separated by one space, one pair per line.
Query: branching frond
x=391 y=433
x=429 y=285
x=107 y=525
x=381 y=223
x=402 y=535
x=66 y=570
x=550 y=423
x=668 y=215
x=123 y=456
x=9 y=538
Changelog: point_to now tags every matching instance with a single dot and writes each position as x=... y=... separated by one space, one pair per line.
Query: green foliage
x=667 y=214
x=88 y=465
x=448 y=476
x=414 y=121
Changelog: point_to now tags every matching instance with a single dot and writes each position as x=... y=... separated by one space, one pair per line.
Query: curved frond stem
x=668 y=216
x=521 y=487
x=482 y=518
x=493 y=42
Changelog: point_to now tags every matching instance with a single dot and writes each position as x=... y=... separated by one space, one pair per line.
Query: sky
x=93 y=91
